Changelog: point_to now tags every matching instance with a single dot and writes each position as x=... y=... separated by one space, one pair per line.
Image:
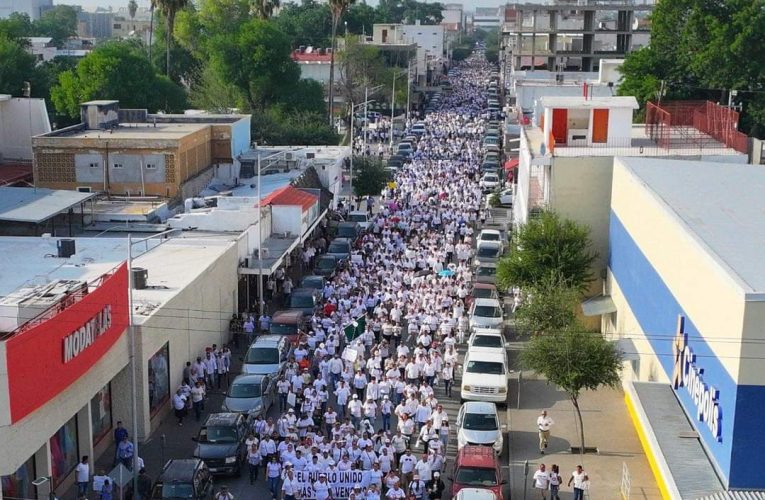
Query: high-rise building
x=32 y=8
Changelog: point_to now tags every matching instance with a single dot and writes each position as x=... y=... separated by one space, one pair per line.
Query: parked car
x=418 y=128
x=477 y=467
x=396 y=161
x=506 y=197
x=251 y=395
x=351 y=230
x=489 y=236
x=486 y=313
x=487 y=252
x=481 y=291
x=313 y=281
x=340 y=248
x=405 y=147
x=489 y=182
x=305 y=300
x=326 y=265
x=287 y=323
x=475 y=494
x=486 y=338
x=361 y=218
x=267 y=355
x=220 y=443
x=183 y=478
x=486 y=273
x=484 y=376
x=478 y=424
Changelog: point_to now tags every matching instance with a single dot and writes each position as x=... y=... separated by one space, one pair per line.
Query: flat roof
x=580 y=102
x=720 y=205
x=138 y=131
x=21 y=204
x=171 y=266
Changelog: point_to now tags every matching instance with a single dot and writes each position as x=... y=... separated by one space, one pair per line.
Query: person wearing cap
x=354 y=408
x=416 y=487
x=386 y=409
x=321 y=488
x=290 y=486
x=435 y=487
x=342 y=393
x=224 y=494
x=370 y=411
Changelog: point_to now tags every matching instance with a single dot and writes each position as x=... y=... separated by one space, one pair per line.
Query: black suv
x=184 y=478
x=220 y=443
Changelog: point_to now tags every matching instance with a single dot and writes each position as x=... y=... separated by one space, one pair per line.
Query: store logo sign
x=78 y=341
x=688 y=374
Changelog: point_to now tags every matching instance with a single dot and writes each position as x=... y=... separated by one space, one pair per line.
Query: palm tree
x=132 y=8
x=337 y=7
x=151 y=25
x=264 y=9
x=170 y=8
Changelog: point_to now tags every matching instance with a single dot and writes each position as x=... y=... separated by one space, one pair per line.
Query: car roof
x=493 y=244
x=348 y=224
x=267 y=340
x=179 y=469
x=487 y=302
x=476 y=494
x=357 y=212
x=303 y=291
x=326 y=257
x=486 y=286
x=488 y=332
x=484 y=354
x=282 y=315
x=227 y=418
x=482 y=407
x=313 y=276
x=490 y=231
x=248 y=379
x=477 y=456
x=489 y=264
x=341 y=240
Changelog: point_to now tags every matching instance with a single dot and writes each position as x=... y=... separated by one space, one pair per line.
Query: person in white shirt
x=83 y=476
x=555 y=482
x=580 y=479
x=354 y=408
x=423 y=468
x=541 y=480
x=321 y=488
x=544 y=423
x=290 y=487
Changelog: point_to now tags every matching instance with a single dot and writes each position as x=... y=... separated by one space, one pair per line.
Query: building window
x=117 y=26
x=118 y=165
x=64 y=455
x=101 y=413
x=93 y=165
x=151 y=166
x=159 y=379
x=19 y=484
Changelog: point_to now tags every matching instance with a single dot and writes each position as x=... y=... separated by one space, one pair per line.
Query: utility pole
x=392 y=111
x=408 y=86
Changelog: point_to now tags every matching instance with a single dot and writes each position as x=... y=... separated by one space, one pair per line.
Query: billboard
x=45 y=359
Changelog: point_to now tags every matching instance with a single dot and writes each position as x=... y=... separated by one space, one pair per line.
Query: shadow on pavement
x=538 y=394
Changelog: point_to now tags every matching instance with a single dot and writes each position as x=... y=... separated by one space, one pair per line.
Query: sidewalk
x=607 y=426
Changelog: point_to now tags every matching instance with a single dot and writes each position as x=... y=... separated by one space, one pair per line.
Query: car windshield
x=357 y=217
x=244 y=390
x=489 y=237
x=262 y=355
x=487 y=341
x=282 y=329
x=177 y=490
x=491 y=178
x=218 y=435
x=487 y=367
x=480 y=422
x=486 y=271
x=346 y=232
x=486 y=251
x=301 y=301
x=338 y=248
x=315 y=282
x=476 y=476
x=326 y=264
x=487 y=312
x=483 y=293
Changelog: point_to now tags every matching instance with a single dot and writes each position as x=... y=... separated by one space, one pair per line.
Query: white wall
x=287 y=218
x=429 y=37
x=315 y=71
x=20 y=119
x=619 y=126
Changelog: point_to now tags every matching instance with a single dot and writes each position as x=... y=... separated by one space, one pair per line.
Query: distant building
x=45 y=50
x=133 y=152
x=98 y=25
x=453 y=16
x=124 y=26
x=315 y=63
x=424 y=42
x=32 y=8
x=487 y=18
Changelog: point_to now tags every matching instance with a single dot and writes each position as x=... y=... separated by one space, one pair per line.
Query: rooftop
x=289 y=195
x=171 y=266
x=139 y=131
x=724 y=216
x=582 y=102
x=12 y=173
x=20 y=204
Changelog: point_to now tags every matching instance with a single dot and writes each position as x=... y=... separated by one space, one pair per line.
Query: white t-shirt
x=541 y=479
x=83 y=472
x=578 y=479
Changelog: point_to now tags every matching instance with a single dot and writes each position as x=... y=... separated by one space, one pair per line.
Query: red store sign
x=45 y=359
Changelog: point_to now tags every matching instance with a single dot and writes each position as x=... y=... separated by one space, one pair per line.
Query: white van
x=484 y=376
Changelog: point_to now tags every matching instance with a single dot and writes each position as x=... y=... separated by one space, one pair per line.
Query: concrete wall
x=619 y=126
x=429 y=37
x=20 y=119
x=288 y=218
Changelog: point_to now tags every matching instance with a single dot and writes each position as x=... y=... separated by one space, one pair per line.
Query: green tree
x=184 y=66
x=16 y=26
x=308 y=23
x=16 y=66
x=360 y=18
x=59 y=23
x=116 y=70
x=132 y=8
x=337 y=8
x=264 y=9
x=170 y=8
x=278 y=127
x=575 y=361
x=257 y=61
x=369 y=176
x=548 y=246
x=408 y=11
x=214 y=93
x=550 y=307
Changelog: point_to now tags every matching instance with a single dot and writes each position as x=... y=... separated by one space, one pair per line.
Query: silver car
x=251 y=395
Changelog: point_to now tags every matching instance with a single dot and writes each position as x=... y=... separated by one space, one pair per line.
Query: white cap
x=355 y=396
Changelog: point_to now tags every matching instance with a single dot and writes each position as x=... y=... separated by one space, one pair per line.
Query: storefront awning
x=598 y=305
x=511 y=164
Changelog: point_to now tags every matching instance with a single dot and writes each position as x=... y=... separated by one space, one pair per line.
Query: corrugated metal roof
x=691 y=469
x=20 y=204
x=735 y=495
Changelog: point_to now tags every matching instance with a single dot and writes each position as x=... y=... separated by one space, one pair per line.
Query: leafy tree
x=170 y=8
x=550 y=307
x=184 y=66
x=16 y=26
x=337 y=8
x=214 y=93
x=264 y=9
x=461 y=53
x=276 y=126
x=409 y=11
x=16 y=66
x=307 y=23
x=370 y=176
x=257 y=61
x=132 y=8
x=116 y=70
x=361 y=65
x=59 y=23
x=548 y=246
x=360 y=18
x=575 y=361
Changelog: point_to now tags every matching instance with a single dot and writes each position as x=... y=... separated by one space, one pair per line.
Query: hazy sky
x=116 y=4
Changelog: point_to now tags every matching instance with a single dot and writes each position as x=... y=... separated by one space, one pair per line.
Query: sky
x=117 y=4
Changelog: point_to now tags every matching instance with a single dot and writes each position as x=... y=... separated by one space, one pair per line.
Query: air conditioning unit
x=289 y=156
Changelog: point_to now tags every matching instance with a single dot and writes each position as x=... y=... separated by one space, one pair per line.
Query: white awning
x=598 y=305
x=628 y=349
